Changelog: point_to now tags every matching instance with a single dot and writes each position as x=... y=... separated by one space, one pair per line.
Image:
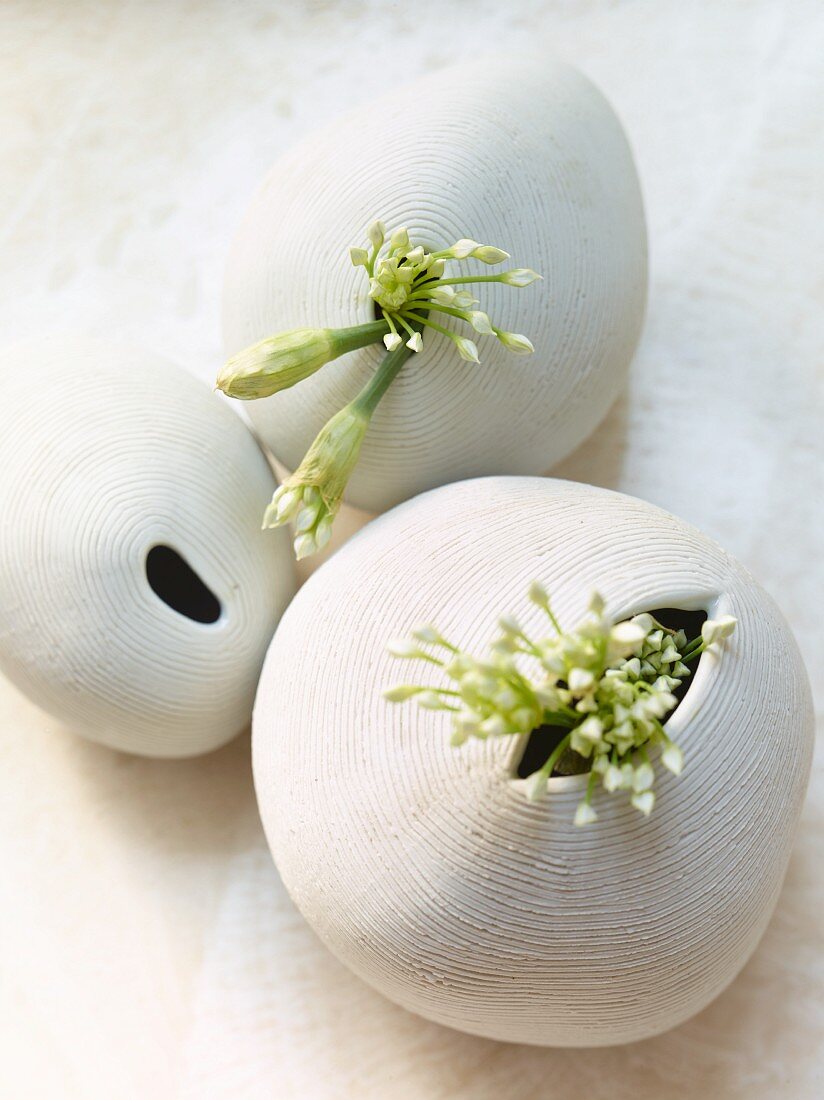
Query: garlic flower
x=408 y=283
x=610 y=685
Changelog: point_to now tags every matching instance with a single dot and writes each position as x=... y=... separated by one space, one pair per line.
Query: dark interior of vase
x=173 y=580
x=543 y=740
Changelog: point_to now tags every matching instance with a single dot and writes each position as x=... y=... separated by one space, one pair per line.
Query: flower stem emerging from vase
x=407 y=283
x=609 y=684
x=311 y=497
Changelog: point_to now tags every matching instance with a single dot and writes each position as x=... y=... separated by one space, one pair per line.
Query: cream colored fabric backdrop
x=149 y=949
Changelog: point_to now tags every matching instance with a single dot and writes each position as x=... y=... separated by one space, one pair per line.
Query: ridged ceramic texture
x=526 y=155
x=105 y=452
x=425 y=868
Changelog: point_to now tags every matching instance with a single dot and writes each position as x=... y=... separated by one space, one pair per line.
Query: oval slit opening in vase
x=541 y=742
x=173 y=580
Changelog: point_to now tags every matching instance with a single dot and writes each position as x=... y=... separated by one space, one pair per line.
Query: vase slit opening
x=173 y=581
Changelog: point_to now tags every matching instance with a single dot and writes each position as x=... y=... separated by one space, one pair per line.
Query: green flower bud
x=516 y=342
x=467 y=349
x=644 y=802
x=376 y=234
x=462 y=249
x=519 y=276
x=488 y=254
x=401 y=693
x=399 y=239
x=312 y=495
x=536 y=786
x=464 y=299
x=585 y=815
x=715 y=630
x=538 y=594
x=480 y=322
x=278 y=362
x=673 y=759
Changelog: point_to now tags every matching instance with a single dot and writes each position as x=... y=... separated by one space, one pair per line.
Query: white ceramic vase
x=523 y=154
x=137 y=591
x=424 y=867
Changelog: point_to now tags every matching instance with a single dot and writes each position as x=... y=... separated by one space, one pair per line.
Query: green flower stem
x=667 y=629
x=466 y=348
x=358 y=336
x=590 y=787
x=692 y=654
x=566 y=718
x=405 y=324
x=281 y=361
x=431 y=324
x=555 y=755
x=369 y=397
x=461 y=314
x=693 y=649
x=458 y=280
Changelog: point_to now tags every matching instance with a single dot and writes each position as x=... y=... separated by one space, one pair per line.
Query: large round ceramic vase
x=137 y=591
x=525 y=154
x=425 y=868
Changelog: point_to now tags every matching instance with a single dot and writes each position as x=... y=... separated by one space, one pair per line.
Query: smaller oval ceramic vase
x=524 y=154
x=425 y=868
x=137 y=591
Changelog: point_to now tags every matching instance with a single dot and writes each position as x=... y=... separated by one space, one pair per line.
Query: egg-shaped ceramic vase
x=425 y=868
x=137 y=591
x=524 y=154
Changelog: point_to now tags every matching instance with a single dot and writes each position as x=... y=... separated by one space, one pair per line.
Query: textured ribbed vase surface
x=115 y=466
x=425 y=868
x=525 y=155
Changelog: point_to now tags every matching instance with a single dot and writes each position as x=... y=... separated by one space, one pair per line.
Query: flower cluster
x=409 y=283
x=311 y=497
x=609 y=685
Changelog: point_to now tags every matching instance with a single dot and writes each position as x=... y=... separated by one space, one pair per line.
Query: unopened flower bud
x=538 y=594
x=402 y=647
x=580 y=679
x=276 y=363
x=443 y=295
x=463 y=248
x=430 y=700
x=585 y=815
x=399 y=239
x=673 y=759
x=376 y=234
x=536 y=786
x=643 y=778
x=305 y=545
x=313 y=493
x=644 y=802
x=464 y=299
x=715 y=630
x=400 y=693
x=488 y=254
x=467 y=349
x=519 y=276
x=480 y=322
x=516 y=341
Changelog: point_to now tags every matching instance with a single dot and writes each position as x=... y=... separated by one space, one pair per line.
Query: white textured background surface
x=148 y=947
